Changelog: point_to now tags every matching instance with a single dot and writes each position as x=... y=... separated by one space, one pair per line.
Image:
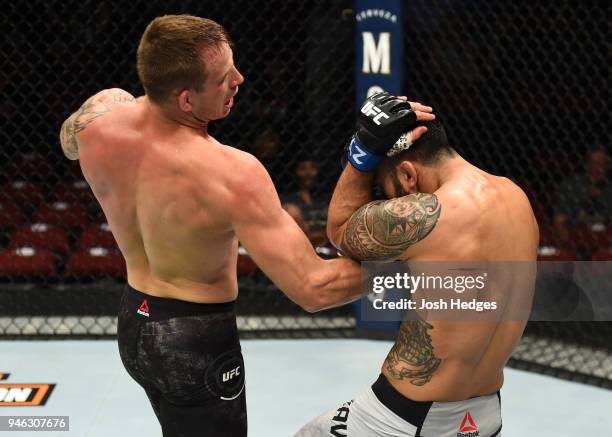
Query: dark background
x=523 y=87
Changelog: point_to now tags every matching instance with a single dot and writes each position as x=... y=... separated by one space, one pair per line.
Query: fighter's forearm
x=354 y=189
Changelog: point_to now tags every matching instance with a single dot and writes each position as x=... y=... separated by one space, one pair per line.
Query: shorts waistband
x=411 y=411
x=157 y=308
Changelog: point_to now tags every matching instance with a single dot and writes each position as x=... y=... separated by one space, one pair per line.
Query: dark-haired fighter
x=177 y=202
x=441 y=378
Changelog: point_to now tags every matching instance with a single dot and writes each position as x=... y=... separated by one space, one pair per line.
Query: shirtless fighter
x=177 y=202
x=441 y=378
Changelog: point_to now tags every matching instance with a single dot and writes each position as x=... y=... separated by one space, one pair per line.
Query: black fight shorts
x=187 y=358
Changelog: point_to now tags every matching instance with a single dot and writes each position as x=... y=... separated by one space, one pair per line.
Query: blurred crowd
x=574 y=214
x=579 y=224
x=52 y=227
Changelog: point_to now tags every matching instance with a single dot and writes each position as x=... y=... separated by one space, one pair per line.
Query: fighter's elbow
x=317 y=296
x=310 y=301
x=312 y=307
x=314 y=304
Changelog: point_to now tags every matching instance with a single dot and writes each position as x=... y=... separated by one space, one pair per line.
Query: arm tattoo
x=93 y=108
x=68 y=139
x=384 y=229
x=116 y=95
x=412 y=356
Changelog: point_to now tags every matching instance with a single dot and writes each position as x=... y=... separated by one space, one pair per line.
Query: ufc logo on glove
x=370 y=109
x=383 y=118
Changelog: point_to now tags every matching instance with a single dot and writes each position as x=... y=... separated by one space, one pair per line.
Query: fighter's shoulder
x=114 y=95
x=103 y=107
x=246 y=169
x=451 y=198
x=106 y=100
x=516 y=196
x=458 y=207
x=248 y=181
x=476 y=200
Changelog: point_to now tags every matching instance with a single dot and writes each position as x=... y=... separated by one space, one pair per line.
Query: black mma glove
x=383 y=118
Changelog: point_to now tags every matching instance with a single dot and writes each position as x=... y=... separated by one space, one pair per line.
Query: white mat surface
x=288 y=383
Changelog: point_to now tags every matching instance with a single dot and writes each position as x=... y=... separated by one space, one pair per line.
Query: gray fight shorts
x=383 y=411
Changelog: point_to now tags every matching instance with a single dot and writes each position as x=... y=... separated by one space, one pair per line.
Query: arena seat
x=27 y=263
x=41 y=236
x=95 y=262
x=602 y=255
x=548 y=237
x=246 y=266
x=30 y=165
x=97 y=235
x=591 y=238
x=21 y=193
x=62 y=214
x=75 y=192
x=10 y=216
x=552 y=253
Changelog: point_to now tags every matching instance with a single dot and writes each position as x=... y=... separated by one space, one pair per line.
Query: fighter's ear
x=407 y=176
x=184 y=100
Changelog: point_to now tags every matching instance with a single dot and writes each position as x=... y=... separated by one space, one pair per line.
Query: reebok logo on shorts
x=144 y=309
x=468 y=427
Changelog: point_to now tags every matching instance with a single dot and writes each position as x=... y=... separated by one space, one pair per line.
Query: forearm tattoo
x=412 y=356
x=92 y=109
x=384 y=229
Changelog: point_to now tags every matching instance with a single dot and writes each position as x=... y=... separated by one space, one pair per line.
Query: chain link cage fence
x=522 y=87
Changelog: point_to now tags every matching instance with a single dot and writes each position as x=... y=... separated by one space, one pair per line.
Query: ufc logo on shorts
x=229 y=375
x=369 y=109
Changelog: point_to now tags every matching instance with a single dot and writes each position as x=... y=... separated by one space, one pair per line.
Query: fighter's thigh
x=213 y=419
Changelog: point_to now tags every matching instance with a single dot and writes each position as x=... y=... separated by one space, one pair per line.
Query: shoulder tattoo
x=92 y=109
x=384 y=229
